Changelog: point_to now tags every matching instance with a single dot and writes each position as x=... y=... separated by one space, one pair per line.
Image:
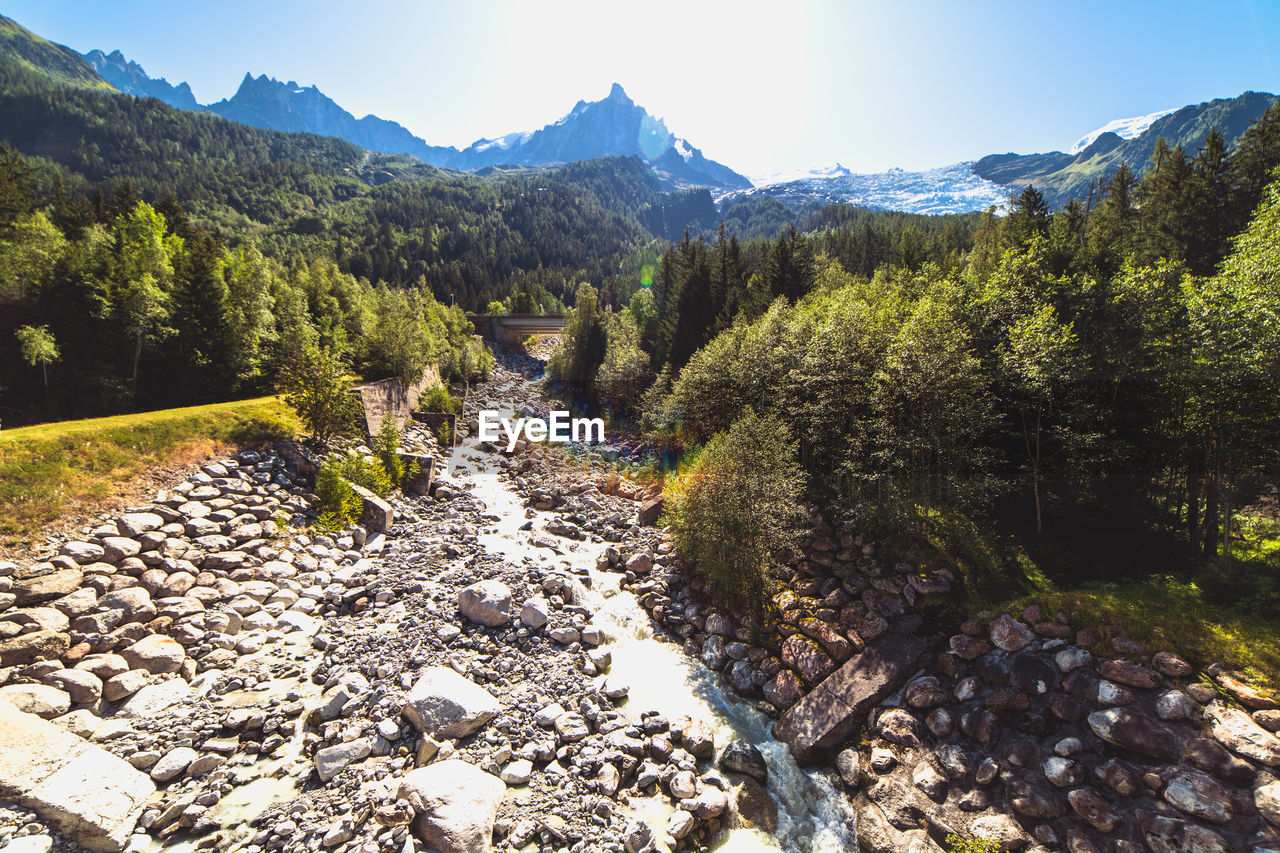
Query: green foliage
x=496 y=307
x=977 y=844
x=737 y=504
x=38 y=345
x=339 y=505
x=386 y=449
x=438 y=399
x=625 y=373
x=55 y=62
x=315 y=386
x=577 y=357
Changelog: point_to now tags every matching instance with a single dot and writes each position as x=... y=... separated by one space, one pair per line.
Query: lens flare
x=653 y=137
x=646 y=275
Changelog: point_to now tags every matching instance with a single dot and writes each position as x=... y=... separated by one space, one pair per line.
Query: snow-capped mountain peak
x=1125 y=128
x=832 y=170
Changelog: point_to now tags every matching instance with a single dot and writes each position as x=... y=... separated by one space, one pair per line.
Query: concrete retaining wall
x=377 y=399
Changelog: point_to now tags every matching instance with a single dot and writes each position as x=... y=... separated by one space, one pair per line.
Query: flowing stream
x=814 y=816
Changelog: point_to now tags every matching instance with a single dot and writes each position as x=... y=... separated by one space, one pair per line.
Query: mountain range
x=614 y=126
x=617 y=126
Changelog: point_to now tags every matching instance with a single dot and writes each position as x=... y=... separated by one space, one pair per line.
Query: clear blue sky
x=760 y=87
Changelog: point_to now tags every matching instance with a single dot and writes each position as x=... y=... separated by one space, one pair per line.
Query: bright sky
x=760 y=87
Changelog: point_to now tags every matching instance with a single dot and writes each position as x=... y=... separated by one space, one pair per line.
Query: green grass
x=1168 y=614
x=52 y=470
x=1218 y=613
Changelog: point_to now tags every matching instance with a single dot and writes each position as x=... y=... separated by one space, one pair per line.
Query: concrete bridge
x=514 y=328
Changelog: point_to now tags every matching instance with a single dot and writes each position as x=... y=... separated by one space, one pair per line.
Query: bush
x=386 y=449
x=438 y=399
x=340 y=506
x=315 y=386
x=737 y=504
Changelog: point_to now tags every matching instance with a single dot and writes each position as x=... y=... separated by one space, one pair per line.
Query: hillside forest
x=1097 y=379
x=1095 y=386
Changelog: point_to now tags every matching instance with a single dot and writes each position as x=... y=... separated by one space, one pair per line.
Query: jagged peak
x=617 y=93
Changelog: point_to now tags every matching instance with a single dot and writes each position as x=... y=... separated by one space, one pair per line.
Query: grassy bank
x=1207 y=613
x=76 y=468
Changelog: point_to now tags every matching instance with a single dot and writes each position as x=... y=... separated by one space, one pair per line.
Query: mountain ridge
x=617 y=126
x=55 y=62
x=613 y=126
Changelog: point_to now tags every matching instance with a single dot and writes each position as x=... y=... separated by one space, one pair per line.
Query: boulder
x=1129 y=673
x=651 y=511
x=156 y=654
x=1267 y=799
x=899 y=726
x=134 y=602
x=331 y=760
x=486 y=602
x=755 y=807
x=1199 y=795
x=86 y=793
x=1245 y=694
x=37 y=645
x=84 y=687
x=640 y=564
x=119 y=548
x=1237 y=731
x=1093 y=809
x=173 y=763
x=1002 y=829
x=39 y=699
x=1009 y=634
x=376 y=514
x=1171 y=664
x=47 y=587
x=875 y=833
x=32 y=619
x=134 y=524
x=803 y=654
x=1175 y=705
x=82 y=552
x=833 y=711
x=125 y=684
x=456 y=804
x=534 y=613
x=783 y=690
x=444 y=704
x=1134 y=731
x=849 y=766
x=154 y=698
x=741 y=756
x=1212 y=758
x=1166 y=835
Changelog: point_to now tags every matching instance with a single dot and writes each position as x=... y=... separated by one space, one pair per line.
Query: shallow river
x=814 y=816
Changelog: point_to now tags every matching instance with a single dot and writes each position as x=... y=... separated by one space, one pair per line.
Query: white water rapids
x=814 y=816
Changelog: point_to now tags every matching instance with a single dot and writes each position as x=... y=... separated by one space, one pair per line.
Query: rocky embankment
x=517 y=661
x=206 y=672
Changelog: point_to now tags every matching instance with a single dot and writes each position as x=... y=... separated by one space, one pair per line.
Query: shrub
x=736 y=505
x=438 y=399
x=386 y=449
x=340 y=506
x=315 y=386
